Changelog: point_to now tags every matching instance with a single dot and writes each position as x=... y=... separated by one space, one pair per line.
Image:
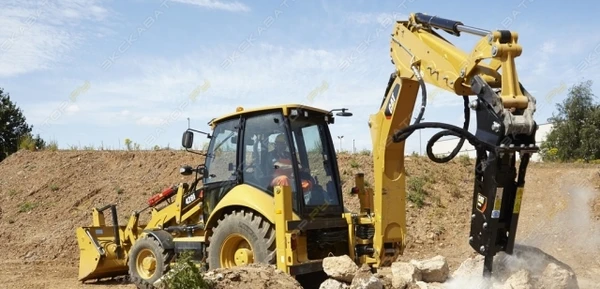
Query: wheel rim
x=146 y=263
x=236 y=251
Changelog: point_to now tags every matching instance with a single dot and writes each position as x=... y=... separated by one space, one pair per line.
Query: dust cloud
x=572 y=231
x=568 y=237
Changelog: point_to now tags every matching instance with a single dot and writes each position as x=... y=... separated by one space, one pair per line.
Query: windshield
x=312 y=145
x=222 y=152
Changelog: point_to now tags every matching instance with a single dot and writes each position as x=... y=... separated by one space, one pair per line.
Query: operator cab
x=284 y=145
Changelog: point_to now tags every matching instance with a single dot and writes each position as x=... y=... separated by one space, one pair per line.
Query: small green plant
x=354 y=164
x=26 y=207
x=12 y=193
x=416 y=190
x=52 y=146
x=27 y=143
x=128 y=143
x=185 y=274
x=119 y=190
x=54 y=187
x=549 y=154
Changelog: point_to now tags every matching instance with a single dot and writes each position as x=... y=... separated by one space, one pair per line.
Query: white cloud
x=73 y=108
x=148 y=120
x=546 y=51
x=156 y=93
x=375 y=18
x=221 y=5
x=34 y=37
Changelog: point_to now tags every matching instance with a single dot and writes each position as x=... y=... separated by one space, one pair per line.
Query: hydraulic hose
x=402 y=134
x=463 y=133
x=423 y=95
x=441 y=134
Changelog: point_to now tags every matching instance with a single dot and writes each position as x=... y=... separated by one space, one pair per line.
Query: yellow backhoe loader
x=269 y=189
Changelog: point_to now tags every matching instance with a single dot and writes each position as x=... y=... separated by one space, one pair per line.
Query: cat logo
x=481 y=203
x=392 y=102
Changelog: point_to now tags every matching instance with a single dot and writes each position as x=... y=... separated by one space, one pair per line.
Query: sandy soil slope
x=46 y=195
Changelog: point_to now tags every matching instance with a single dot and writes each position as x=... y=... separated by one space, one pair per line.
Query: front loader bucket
x=100 y=253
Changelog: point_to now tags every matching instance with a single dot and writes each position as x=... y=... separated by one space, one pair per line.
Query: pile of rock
x=526 y=268
x=345 y=274
x=252 y=276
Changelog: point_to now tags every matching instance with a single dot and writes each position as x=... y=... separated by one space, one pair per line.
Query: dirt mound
x=253 y=276
x=46 y=195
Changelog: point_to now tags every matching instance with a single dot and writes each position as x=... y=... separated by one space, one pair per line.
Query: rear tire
x=240 y=238
x=148 y=261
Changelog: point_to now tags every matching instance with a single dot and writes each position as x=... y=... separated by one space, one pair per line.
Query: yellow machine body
x=104 y=251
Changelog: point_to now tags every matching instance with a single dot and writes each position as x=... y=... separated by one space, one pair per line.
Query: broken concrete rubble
x=557 y=277
x=333 y=284
x=526 y=268
x=364 y=279
x=340 y=268
x=519 y=280
x=433 y=270
x=404 y=273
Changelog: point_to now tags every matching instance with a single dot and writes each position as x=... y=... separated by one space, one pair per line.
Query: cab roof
x=284 y=108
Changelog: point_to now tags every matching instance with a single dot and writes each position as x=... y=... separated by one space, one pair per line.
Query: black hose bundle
x=443 y=133
x=463 y=133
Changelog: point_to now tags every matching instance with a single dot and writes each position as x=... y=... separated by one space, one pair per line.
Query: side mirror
x=187 y=139
x=343 y=112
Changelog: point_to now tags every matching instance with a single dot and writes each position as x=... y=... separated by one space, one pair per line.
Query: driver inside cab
x=281 y=160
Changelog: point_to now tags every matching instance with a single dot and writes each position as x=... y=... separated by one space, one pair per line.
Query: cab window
x=222 y=153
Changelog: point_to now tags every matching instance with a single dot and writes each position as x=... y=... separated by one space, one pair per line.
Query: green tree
x=13 y=126
x=576 y=127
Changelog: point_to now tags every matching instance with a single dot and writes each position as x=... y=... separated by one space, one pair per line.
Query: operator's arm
x=505 y=127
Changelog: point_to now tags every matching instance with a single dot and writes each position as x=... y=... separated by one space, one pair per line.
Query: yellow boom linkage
x=505 y=127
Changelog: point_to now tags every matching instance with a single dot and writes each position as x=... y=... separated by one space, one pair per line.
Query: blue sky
x=89 y=72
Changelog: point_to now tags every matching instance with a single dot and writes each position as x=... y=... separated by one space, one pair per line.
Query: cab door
x=258 y=152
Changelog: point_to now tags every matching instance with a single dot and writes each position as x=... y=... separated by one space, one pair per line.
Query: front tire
x=241 y=238
x=148 y=261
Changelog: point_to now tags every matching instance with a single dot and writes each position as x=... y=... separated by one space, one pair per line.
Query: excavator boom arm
x=415 y=43
x=505 y=127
